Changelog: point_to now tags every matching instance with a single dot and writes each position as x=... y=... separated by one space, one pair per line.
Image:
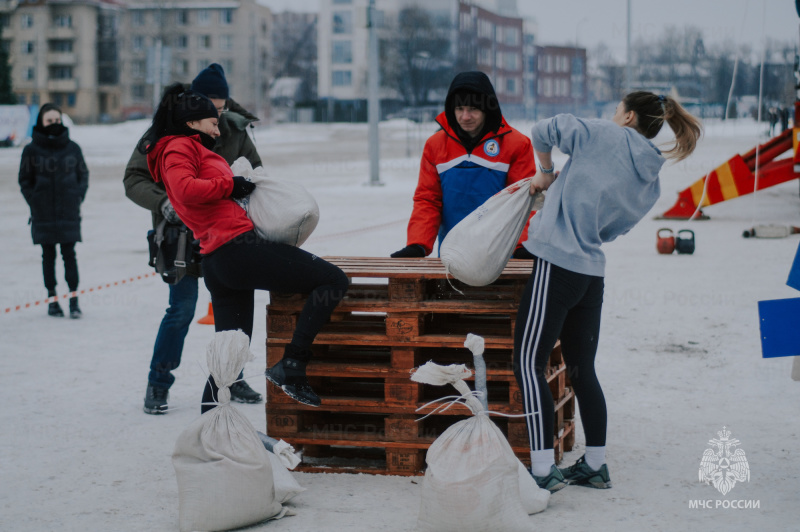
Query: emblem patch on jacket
x=491 y=147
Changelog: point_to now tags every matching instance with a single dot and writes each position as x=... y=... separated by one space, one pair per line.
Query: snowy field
x=679 y=354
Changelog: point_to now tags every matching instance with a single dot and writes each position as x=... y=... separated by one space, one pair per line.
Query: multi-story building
x=65 y=52
x=561 y=84
x=479 y=39
x=184 y=37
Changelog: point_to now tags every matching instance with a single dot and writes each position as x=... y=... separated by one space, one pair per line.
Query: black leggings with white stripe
x=558 y=303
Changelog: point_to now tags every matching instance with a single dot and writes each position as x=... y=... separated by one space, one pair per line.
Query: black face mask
x=54 y=130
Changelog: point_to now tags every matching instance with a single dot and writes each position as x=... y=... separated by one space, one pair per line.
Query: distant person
x=473 y=156
x=772 y=115
x=784 y=118
x=236 y=261
x=54 y=179
x=609 y=183
x=232 y=143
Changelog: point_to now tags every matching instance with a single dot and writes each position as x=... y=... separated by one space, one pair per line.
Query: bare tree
x=415 y=56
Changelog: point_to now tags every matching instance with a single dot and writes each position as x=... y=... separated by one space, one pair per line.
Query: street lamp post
x=373 y=102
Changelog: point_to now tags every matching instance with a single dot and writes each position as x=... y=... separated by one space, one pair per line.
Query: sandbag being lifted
x=478 y=248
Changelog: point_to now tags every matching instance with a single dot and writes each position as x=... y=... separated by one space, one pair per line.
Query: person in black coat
x=54 y=178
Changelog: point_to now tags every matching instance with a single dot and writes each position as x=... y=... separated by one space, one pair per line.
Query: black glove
x=412 y=251
x=522 y=253
x=169 y=212
x=241 y=187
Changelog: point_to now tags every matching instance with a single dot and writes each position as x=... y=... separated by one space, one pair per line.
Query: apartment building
x=185 y=36
x=479 y=39
x=561 y=84
x=65 y=52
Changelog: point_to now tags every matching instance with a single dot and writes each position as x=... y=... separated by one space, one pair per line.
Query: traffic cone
x=209 y=318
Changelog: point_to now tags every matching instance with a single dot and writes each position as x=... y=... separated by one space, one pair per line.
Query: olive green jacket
x=233 y=142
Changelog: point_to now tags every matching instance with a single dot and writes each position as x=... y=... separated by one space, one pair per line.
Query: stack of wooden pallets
x=397 y=315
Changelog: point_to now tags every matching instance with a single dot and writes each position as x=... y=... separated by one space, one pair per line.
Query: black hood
x=474 y=89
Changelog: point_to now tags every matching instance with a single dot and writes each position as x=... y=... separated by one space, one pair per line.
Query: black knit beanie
x=191 y=105
x=211 y=82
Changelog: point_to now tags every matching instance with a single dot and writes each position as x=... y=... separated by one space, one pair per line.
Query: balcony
x=62 y=85
x=61 y=58
x=61 y=32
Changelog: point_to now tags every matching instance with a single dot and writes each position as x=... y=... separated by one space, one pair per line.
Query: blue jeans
x=172 y=332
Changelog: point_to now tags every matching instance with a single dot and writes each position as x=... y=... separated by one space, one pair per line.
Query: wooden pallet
x=397 y=315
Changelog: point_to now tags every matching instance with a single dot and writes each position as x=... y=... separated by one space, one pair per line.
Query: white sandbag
x=477 y=249
x=472 y=482
x=282 y=211
x=286 y=486
x=224 y=473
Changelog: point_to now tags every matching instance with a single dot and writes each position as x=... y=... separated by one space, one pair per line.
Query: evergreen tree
x=7 y=96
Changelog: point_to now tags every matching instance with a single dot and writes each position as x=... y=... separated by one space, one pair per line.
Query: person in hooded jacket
x=473 y=156
x=54 y=179
x=202 y=188
x=609 y=183
x=233 y=142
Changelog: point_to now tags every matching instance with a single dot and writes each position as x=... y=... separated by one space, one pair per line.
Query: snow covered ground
x=679 y=354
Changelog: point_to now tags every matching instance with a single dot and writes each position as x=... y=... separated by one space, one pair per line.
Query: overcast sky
x=595 y=21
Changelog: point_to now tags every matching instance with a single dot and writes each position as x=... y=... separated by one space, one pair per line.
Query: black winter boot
x=55 y=310
x=290 y=376
x=155 y=400
x=74 y=310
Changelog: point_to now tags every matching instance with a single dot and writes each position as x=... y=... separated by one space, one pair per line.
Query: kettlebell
x=665 y=244
x=684 y=242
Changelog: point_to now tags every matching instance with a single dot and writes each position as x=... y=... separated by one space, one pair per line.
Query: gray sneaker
x=581 y=474
x=155 y=400
x=551 y=482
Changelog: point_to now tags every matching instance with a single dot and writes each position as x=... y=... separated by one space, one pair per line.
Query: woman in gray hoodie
x=608 y=184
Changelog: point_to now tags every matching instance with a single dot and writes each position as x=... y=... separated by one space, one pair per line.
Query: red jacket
x=199 y=184
x=497 y=161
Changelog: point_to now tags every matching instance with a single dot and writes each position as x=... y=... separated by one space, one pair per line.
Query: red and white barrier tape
x=153 y=274
x=80 y=292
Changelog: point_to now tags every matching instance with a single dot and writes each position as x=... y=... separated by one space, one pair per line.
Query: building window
x=226 y=42
x=138 y=68
x=485 y=56
x=26 y=21
x=137 y=18
x=201 y=64
x=342 y=78
x=182 y=17
x=342 y=1
x=226 y=16
x=60 y=72
x=227 y=67
x=511 y=86
x=181 y=41
x=62 y=21
x=342 y=22
x=485 y=29
x=511 y=61
x=30 y=73
x=204 y=41
x=342 y=52
x=137 y=92
x=27 y=47
x=203 y=17
x=182 y=67
x=61 y=45
x=511 y=36
x=137 y=43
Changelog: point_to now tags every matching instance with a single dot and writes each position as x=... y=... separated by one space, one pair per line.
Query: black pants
x=558 y=303
x=49 y=266
x=234 y=271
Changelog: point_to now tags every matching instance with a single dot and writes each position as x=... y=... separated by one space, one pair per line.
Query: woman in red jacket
x=236 y=261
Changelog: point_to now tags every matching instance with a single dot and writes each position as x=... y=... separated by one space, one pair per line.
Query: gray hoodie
x=608 y=184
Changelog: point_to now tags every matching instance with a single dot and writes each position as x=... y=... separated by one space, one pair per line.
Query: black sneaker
x=74 y=310
x=155 y=400
x=55 y=310
x=296 y=387
x=241 y=392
